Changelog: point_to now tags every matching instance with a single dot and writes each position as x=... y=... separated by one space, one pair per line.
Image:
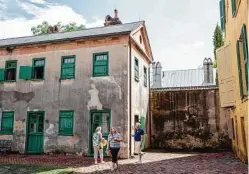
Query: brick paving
x=153 y=162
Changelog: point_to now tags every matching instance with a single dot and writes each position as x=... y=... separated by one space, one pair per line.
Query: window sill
x=9 y=81
x=6 y=133
x=69 y=78
x=245 y=98
x=100 y=75
x=63 y=134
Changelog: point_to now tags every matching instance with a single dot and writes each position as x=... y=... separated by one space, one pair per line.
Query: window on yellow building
x=235 y=6
x=222 y=14
x=242 y=60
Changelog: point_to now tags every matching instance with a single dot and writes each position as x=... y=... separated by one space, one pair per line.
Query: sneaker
x=102 y=162
x=96 y=162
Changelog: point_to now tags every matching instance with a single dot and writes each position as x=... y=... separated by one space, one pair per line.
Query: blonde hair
x=98 y=128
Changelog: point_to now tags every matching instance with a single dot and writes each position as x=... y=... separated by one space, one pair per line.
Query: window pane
x=39 y=62
x=11 y=65
x=105 y=123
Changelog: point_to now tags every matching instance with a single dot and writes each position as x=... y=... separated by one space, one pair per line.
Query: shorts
x=137 y=147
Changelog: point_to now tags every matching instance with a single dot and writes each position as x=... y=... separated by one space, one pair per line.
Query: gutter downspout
x=130 y=94
x=150 y=115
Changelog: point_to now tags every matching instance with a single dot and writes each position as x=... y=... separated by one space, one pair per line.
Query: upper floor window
x=36 y=71
x=242 y=61
x=136 y=69
x=10 y=70
x=100 y=64
x=222 y=14
x=235 y=5
x=38 y=68
x=145 y=77
x=68 y=67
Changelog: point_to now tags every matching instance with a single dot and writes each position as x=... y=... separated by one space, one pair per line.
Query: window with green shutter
x=145 y=77
x=233 y=4
x=2 y=74
x=7 y=122
x=100 y=64
x=66 y=122
x=222 y=14
x=245 y=53
x=38 y=68
x=25 y=72
x=136 y=69
x=10 y=70
x=239 y=69
x=68 y=67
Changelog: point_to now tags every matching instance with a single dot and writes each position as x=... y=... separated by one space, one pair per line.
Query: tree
x=43 y=28
x=218 y=41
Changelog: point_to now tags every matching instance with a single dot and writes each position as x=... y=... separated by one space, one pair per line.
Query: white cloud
x=52 y=14
x=38 y=1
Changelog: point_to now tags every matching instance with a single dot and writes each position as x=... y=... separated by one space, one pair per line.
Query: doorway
x=243 y=131
x=35 y=132
x=99 y=118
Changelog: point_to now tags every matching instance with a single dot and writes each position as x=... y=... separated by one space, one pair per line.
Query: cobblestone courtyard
x=153 y=162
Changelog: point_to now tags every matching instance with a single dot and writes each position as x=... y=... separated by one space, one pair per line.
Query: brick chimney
x=208 y=71
x=115 y=13
x=112 y=20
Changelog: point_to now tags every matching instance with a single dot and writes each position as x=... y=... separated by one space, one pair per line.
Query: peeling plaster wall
x=80 y=94
x=188 y=119
x=139 y=93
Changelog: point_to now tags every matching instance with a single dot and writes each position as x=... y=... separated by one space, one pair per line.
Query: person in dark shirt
x=138 y=136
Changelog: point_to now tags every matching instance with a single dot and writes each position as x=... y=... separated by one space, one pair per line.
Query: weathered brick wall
x=188 y=120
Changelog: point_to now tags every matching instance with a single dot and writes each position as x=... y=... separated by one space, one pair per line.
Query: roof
x=185 y=78
x=190 y=88
x=62 y=36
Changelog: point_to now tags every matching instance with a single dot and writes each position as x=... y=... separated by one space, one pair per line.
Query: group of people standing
x=113 y=144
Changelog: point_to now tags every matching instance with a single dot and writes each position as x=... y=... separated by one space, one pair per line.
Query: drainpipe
x=130 y=94
x=150 y=116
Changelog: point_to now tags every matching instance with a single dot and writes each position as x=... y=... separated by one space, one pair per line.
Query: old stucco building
x=232 y=61
x=57 y=88
x=185 y=110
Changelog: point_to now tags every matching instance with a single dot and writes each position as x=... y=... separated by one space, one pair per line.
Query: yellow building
x=232 y=61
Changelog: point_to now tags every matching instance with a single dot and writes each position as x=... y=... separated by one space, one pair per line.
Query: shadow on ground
x=28 y=169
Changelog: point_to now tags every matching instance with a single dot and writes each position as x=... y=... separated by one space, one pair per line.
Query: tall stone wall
x=188 y=119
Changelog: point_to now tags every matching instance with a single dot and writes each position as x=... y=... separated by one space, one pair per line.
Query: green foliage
x=43 y=28
x=218 y=41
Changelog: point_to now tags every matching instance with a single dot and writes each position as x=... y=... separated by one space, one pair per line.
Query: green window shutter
x=100 y=64
x=239 y=70
x=68 y=67
x=233 y=3
x=2 y=72
x=222 y=14
x=7 y=122
x=66 y=122
x=25 y=72
x=245 y=51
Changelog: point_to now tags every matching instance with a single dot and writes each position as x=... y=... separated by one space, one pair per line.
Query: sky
x=180 y=31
